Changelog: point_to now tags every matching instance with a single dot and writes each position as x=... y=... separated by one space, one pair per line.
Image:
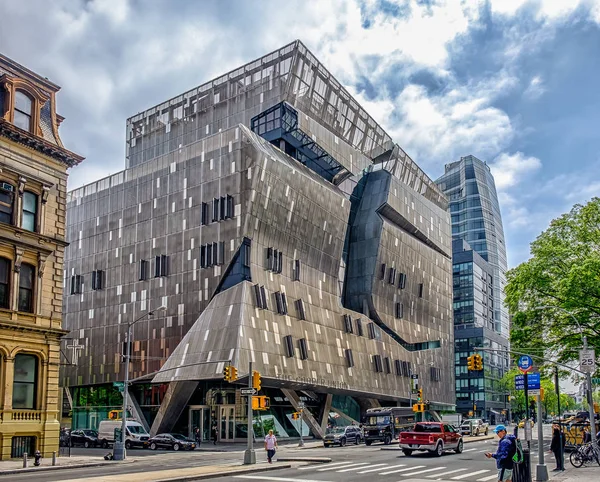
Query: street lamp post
x=587 y=375
x=119 y=452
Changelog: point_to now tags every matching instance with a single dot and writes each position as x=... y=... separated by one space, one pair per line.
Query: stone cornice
x=66 y=157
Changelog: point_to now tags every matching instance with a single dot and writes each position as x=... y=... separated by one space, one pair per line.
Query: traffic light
x=471 y=362
x=256 y=380
x=261 y=402
x=418 y=407
x=233 y=374
x=227 y=373
x=477 y=362
x=295 y=415
x=419 y=394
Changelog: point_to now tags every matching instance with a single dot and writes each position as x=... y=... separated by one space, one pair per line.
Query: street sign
x=301 y=405
x=533 y=382
x=248 y=391
x=414 y=383
x=596 y=381
x=533 y=391
x=119 y=386
x=525 y=363
x=587 y=360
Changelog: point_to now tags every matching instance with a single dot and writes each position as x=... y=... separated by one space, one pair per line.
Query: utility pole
x=541 y=470
x=557 y=390
x=249 y=454
x=590 y=397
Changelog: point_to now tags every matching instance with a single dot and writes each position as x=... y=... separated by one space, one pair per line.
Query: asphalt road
x=358 y=463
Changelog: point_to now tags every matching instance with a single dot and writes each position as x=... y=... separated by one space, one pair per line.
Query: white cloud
x=535 y=88
x=511 y=169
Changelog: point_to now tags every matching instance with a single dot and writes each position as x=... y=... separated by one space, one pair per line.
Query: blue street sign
x=525 y=363
x=533 y=381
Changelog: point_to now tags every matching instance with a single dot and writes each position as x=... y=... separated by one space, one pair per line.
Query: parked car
x=474 y=427
x=434 y=437
x=136 y=435
x=87 y=438
x=342 y=435
x=173 y=441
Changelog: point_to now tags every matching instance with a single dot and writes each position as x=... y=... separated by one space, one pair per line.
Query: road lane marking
x=368 y=466
x=275 y=479
x=321 y=465
x=379 y=467
x=464 y=476
x=425 y=471
x=468 y=450
x=445 y=473
x=344 y=467
x=401 y=470
x=485 y=479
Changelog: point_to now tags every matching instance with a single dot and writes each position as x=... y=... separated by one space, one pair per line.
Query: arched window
x=4 y=283
x=26 y=286
x=24 y=393
x=30 y=203
x=23 y=110
x=7 y=199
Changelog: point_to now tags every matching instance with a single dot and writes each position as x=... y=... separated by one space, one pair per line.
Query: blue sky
x=513 y=82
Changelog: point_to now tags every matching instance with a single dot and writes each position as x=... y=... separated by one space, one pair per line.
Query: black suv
x=87 y=438
x=343 y=435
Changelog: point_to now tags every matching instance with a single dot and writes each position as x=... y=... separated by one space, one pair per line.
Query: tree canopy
x=562 y=276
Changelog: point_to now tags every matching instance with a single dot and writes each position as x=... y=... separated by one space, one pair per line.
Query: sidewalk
x=571 y=474
x=16 y=466
x=187 y=474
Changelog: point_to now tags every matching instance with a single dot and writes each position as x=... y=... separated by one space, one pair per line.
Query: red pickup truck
x=435 y=437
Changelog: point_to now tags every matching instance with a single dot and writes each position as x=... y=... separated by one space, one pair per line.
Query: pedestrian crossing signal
x=418 y=407
x=261 y=403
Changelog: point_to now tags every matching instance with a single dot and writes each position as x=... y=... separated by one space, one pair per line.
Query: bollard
x=25 y=460
x=53 y=458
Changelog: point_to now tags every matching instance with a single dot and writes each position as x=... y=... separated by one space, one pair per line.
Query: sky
x=513 y=82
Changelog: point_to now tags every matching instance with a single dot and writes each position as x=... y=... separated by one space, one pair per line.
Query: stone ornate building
x=33 y=185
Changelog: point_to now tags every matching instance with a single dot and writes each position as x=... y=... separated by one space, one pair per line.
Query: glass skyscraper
x=479 y=276
x=476 y=218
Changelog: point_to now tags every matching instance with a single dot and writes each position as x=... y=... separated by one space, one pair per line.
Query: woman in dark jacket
x=557 y=447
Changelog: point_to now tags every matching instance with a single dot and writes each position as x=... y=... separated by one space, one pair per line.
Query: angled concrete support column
x=366 y=403
x=326 y=410
x=308 y=417
x=137 y=411
x=177 y=396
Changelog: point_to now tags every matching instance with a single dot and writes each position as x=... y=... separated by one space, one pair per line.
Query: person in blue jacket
x=504 y=455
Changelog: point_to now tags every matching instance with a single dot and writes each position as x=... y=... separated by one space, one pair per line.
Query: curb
x=214 y=475
x=49 y=468
x=323 y=460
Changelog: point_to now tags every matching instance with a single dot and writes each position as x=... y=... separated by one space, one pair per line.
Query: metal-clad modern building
x=280 y=225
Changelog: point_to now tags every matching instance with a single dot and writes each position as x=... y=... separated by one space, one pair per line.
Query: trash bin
x=522 y=472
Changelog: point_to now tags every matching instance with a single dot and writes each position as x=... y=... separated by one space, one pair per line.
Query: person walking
x=197 y=437
x=215 y=433
x=270 y=446
x=557 y=447
x=507 y=447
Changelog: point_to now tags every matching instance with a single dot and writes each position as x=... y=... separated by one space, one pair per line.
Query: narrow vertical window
x=269 y=258
x=157 y=267
x=377 y=363
x=203 y=256
x=221 y=253
x=204 y=214
x=215 y=254
x=296 y=270
x=144 y=270
x=97 y=280
x=399 y=310
x=284 y=304
x=26 y=286
x=349 y=358
x=288 y=344
x=30 y=203
x=164 y=265
x=25 y=382
x=280 y=262
x=402 y=281
x=215 y=216
x=387 y=365
x=392 y=276
x=382 y=272
x=4 y=283
x=359 y=327
x=420 y=290
x=223 y=208
x=398 y=366
x=263 y=295
x=348 y=324
x=258 y=296
x=7 y=198
x=209 y=255
x=300 y=309
x=23 y=111
x=229 y=213
x=303 y=349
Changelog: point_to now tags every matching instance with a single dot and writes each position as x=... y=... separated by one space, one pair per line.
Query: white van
x=136 y=435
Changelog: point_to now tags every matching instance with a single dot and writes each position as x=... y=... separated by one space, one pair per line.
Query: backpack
x=518 y=456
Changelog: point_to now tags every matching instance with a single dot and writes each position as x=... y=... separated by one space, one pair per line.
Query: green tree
x=563 y=272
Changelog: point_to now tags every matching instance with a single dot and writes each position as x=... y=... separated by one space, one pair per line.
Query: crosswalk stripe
x=425 y=471
x=343 y=467
x=307 y=467
x=385 y=466
x=464 y=476
x=401 y=470
x=445 y=473
x=274 y=479
x=485 y=479
x=368 y=466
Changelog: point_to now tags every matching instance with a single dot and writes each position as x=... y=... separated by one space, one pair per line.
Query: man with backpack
x=507 y=449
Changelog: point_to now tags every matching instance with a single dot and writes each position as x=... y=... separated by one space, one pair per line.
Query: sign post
x=587 y=364
x=301 y=418
x=249 y=454
x=525 y=364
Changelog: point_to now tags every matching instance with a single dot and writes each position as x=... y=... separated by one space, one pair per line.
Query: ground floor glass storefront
x=214 y=404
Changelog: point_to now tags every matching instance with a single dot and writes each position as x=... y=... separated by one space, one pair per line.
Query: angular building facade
x=33 y=192
x=480 y=316
x=280 y=225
